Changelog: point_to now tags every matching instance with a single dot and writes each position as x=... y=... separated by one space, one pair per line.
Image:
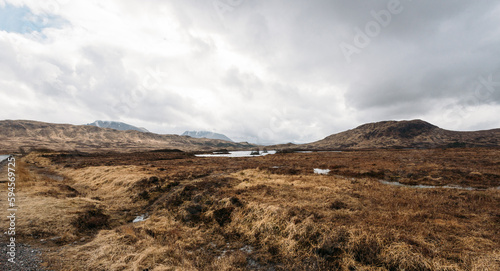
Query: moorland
x=172 y=210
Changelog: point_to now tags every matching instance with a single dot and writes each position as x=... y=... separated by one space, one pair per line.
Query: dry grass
x=222 y=214
x=45 y=206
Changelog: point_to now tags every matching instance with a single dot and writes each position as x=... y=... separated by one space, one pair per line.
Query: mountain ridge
x=16 y=134
x=117 y=125
x=28 y=134
x=405 y=134
x=206 y=134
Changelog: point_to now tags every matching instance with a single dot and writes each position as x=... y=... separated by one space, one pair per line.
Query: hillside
x=26 y=134
x=206 y=134
x=117 y=125
x=405 y=134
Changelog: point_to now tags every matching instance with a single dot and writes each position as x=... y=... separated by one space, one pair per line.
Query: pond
x=235 y=154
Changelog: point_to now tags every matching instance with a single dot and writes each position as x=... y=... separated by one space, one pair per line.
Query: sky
x=254 y=70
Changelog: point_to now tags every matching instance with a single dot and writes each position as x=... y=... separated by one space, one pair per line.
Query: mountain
x=117 y=125
x=206 y=134
x=26 y=134
x=405 y=134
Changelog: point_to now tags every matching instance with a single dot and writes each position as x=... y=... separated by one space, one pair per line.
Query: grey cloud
x=245 y=83
x=427 y=61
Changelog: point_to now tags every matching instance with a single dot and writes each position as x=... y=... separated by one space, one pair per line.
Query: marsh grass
x=253 y=218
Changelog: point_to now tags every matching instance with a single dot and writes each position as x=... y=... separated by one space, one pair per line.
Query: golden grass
x=255 y=219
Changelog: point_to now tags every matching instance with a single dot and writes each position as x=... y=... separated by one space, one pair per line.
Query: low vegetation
x=263 y=213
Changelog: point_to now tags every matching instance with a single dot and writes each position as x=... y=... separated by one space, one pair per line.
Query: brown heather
x=262 y=213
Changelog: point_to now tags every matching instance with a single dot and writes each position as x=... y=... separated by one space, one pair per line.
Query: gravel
x=27 y=258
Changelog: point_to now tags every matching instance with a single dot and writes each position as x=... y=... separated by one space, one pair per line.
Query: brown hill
x=26 y=135
x=405 y=134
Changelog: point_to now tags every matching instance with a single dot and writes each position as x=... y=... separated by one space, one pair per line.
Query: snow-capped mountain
x=117 y=125
x=206 y=134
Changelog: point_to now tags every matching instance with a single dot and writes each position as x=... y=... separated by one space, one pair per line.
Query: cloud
x=256 y=71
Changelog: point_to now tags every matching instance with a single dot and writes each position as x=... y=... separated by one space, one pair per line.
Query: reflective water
x=140 y=218
x=235 y=154
x=3 y=157
x=321 y=171
x=449 y=186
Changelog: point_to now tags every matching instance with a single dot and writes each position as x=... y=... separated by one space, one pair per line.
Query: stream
x=3 y=157
x=422 y=186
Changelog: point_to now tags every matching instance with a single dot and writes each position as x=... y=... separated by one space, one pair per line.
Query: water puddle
x=247 y=249
x=236 y=154
x=321 y=171
x=140 y=218
x=3 y=157
x=3 y=161
x=421 y=186
x=407 y=185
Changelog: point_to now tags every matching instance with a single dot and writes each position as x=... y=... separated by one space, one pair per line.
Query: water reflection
x=449 y=186
x=236 y=154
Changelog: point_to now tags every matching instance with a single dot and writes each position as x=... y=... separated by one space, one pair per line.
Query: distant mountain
x=116 y=125
x=26 y=134
x=405 y=134
x=206 y=134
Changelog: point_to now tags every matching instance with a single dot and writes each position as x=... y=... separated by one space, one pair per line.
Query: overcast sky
x=255 y=70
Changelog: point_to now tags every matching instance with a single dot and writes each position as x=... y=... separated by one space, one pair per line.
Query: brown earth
x=262 y=213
